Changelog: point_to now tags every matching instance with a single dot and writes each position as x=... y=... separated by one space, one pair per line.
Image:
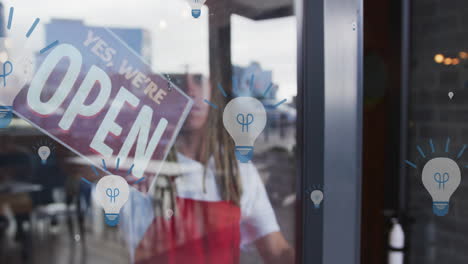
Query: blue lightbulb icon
x=441 y=179
x=244 y=119
x=6 y=114
x=196 y=6
x=112 y=194
x=5 y=73
x=245 y=123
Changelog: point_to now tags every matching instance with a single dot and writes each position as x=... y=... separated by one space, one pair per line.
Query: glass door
x=182 y=131
x=221 y=185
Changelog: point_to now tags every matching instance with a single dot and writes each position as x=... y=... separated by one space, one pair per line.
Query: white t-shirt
x=257 y=216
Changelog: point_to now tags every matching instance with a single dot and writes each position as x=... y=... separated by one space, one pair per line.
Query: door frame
x=329 y=129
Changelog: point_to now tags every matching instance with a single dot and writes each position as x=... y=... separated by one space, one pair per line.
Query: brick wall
x=438 y=27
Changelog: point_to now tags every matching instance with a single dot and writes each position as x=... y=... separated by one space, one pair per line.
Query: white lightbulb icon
x=441 y=177
x=317 y=197
x=44 y=153
x=112 y=193
x=196 y=7
x=244 y=118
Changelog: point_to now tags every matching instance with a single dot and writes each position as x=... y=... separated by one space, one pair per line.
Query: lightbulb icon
x=441 y=177
x=44 y=153
x=244 y=118
x=196 y=7
x=317 y=197
x=11 y=81
x=112 y=193
x=450 y=95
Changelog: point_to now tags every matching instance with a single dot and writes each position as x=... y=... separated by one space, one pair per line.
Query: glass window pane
x=224 y=193
x=437 y=124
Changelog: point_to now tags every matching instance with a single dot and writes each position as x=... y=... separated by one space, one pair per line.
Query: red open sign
x=94 y=95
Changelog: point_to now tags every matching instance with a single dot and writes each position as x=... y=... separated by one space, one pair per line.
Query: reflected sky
x=178 y=40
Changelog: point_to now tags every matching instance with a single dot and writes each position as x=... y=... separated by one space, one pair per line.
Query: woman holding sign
x=213 y=207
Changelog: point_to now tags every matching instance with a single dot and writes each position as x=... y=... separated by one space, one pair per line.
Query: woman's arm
x=274 y=249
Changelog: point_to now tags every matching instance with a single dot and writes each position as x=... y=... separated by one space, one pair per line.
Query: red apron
x=199 y=233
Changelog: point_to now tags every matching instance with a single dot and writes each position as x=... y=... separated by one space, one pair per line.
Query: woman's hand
x=274 y=249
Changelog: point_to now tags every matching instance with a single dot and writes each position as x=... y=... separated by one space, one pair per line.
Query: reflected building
x=137 y=39
x=262 y=79
x=2 y=21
